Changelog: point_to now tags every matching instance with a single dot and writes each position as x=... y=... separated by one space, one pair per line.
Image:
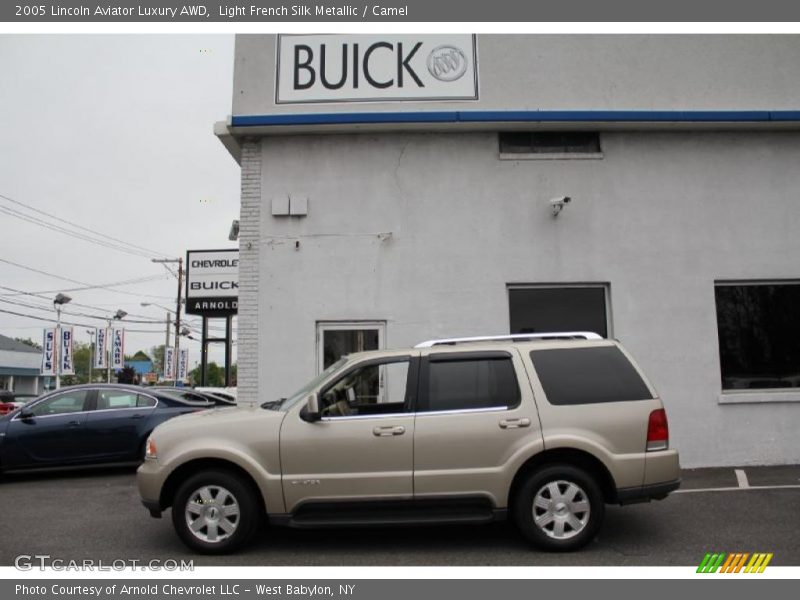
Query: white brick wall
x=249 y=231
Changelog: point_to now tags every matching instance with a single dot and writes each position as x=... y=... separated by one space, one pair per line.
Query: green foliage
x=215 y=375
x=29 y=342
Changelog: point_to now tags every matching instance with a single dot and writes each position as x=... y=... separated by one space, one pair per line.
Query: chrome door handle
x=388 y=431
x=515 y=423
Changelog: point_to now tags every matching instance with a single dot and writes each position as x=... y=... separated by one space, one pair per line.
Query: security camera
x=558 y=203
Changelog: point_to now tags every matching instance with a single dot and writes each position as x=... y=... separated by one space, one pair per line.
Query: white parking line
x=740 y=489
x=741 y=478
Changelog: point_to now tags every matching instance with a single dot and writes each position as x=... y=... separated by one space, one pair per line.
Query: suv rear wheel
x=559 y=507
x=215 y=512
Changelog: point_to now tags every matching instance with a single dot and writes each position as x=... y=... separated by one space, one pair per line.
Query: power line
x=74 y=314
x=83 y=283
x=27 y=316
x=118 y=244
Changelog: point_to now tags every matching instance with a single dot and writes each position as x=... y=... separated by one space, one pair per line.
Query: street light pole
x=59 y=301
x=118 y=316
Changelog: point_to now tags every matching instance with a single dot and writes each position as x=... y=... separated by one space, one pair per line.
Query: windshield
x=287 y=403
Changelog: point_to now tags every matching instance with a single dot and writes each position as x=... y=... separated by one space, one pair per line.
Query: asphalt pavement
x=97 y=515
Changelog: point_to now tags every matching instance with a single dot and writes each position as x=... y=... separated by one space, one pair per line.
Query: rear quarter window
x=588 y=376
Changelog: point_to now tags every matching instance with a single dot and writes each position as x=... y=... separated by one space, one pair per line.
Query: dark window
x=145 y=401
x=588 y=375
x=759 y=335
x=550 y=142
x=468 y=384
x=546 y=309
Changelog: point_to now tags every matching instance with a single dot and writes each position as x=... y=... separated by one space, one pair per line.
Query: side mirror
x=26 y=414
x=311 y=412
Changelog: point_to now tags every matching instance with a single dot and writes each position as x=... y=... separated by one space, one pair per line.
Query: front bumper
x=149 y=480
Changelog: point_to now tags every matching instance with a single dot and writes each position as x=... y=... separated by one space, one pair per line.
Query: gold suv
x=544 y=429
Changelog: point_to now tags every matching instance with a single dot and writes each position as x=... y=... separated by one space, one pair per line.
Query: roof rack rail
x=520 y=337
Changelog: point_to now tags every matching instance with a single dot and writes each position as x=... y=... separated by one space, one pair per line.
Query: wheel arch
x=186 y=470
x=570 y=456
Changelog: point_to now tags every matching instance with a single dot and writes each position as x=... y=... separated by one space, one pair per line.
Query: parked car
x=192 y=395
x=229 y=393
x=544 y=429
x=85 y=424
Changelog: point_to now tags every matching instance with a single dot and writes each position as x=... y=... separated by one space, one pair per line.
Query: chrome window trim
x=455 y=411
x=97 y=410
x=458 y=411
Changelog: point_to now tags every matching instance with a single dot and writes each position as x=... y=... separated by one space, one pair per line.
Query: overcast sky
x=113 y=133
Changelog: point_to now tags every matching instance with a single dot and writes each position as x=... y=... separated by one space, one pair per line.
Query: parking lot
x=97 y=515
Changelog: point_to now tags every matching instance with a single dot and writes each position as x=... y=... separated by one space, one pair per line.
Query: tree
x=157 y=352
x=215 y=375
x=29 y=342
x=127 y=375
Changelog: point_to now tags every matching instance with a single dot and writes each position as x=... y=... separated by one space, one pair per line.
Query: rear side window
x=588 y=375
x=469 y=383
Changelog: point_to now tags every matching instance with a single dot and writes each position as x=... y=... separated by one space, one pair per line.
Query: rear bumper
x=646 y=493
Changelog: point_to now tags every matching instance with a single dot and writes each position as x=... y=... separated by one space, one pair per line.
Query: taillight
x=657 y=431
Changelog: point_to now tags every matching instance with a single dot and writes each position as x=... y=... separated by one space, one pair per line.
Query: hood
x=220 y=422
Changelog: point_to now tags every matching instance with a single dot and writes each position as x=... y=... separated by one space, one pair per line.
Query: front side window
x=378 y=387
x=461 y=382
x=68 y=402
x=758 y=326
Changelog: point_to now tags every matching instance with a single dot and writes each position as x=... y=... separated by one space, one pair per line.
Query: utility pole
x=177 y=312
x=91 y=353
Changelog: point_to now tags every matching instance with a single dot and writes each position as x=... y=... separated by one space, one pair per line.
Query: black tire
x=244 y=525
x=577 y=527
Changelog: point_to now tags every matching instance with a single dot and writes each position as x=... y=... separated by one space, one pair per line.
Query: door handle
x=137 y=416
x=74 y=423
x=515 y=423
x=388 y=431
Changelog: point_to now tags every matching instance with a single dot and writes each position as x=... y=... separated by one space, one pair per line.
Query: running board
x=422 y=512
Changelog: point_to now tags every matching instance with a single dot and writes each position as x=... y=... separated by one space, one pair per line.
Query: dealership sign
x=66 y=364
x=363 y=68
x=212 y=282
x=117 y=348
x=169 y=363
x=49 y=352
x=100 y=348
x=183 y=364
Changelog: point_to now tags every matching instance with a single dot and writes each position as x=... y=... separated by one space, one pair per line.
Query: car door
x=475 y=413
x=117 y=425
x=362 y=447
x=51 y=435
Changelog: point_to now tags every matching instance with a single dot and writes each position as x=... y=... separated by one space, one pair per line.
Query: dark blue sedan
x=86 y=425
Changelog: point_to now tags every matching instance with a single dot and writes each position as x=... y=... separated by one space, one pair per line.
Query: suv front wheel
x=559 y=508
x=215 y=512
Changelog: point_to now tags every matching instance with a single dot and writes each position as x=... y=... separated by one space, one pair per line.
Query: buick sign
x=212 y=282
x=363 y=68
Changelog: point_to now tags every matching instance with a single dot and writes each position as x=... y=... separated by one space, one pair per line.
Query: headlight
x=150 y=449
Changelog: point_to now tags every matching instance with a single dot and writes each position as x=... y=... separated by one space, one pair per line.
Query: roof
x=12 y=345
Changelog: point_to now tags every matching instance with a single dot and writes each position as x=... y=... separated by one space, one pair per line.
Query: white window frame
x=323 y=326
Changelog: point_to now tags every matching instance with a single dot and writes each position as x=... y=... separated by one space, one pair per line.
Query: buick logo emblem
x=447 y=63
